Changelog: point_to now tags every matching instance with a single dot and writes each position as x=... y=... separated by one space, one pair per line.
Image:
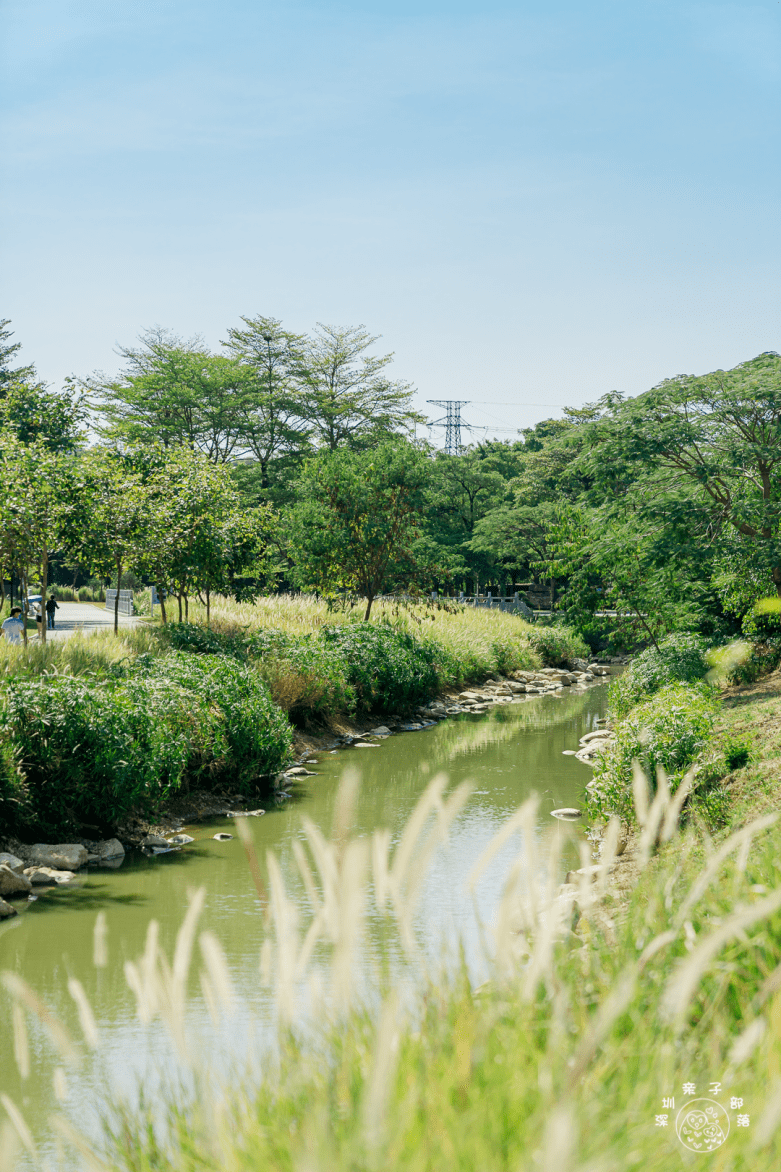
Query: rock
x=11 y=861
x=468 y=696
x=179 y=840
x=567 y=814
x=245 y=813
x=568 y=752
x=63 y=857
x=48 y=876
x=298 y=771
x=222 y=837
x=112 y=848
x=153 y=840
x=6 y=911
x=366 y=745
x=600 y=735
x=382 y=730
x=12 y=883
x=592 y=873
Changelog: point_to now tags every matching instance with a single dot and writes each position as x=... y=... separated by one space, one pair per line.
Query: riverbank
x=586 y=1047
x=97 y=732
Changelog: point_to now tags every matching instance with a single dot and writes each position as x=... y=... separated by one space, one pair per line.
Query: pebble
x=180 y=840
x=222 y=837
x=567 y=814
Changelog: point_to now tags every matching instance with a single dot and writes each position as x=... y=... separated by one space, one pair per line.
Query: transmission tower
x=452 y=422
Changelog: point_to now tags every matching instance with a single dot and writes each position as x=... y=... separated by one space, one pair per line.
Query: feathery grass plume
x=713 y=866
x=9 y=1147
x=681 y=987
x=20 y=1124
x=92 y=1161
x=770 y=1118
x=378 y=1085
x=245 y=836
x=86 y=1017
x=21 y=991
x=100 y=942
x=21 y=1041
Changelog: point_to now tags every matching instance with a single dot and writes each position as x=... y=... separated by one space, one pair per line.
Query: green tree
x=357 y=518
x=272 y=424
x=108 y=516
x=37 y=484
x=347 y=397
x=175 y=394
x=711 y=445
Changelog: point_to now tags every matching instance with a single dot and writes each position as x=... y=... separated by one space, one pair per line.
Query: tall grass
x=560 y=1062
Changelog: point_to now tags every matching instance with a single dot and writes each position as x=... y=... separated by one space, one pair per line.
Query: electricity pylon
x=452 y=422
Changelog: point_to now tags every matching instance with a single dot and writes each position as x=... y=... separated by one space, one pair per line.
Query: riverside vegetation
x=95 y=728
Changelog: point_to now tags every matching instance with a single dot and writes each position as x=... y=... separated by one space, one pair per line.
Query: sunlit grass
x=560 y=1062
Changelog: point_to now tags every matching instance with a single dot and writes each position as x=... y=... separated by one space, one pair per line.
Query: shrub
x=390 y=669
x=670 y=730
x=308 y=679
x=558 y=645
x=680 y=658
x=92 y=752
x=247 y=735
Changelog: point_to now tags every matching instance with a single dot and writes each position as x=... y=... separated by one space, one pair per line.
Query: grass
x=286 y=657
x=560 y=1061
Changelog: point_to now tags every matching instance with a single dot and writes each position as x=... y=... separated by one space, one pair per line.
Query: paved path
x=86 y=617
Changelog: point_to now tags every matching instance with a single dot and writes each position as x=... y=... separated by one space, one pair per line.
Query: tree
x=357 y=518
x=347 y=398
x=272 y=423
x=107 y=518
x=8 y=349
x=37 y=483
x=712 y=446
x=175 y=394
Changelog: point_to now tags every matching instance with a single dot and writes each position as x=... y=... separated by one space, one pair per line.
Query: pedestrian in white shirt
x=13 y=627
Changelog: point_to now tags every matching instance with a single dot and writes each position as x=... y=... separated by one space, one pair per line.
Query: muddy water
x=507 y=754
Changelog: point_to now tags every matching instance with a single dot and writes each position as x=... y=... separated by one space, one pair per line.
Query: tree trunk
x=116 y=596
x=44 y=585
x=179 y=600
x=162 y=605
x=23 y=600
x=187 y=608
x=208 y=607
x=368 y=608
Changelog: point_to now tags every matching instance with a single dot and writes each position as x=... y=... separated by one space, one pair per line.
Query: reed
x=560 y=1061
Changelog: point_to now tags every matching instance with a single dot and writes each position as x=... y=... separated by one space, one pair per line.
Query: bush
x=390 y=669
x=558 y=645
x=670 y=730
x=92 y=752
x=680 y=658
x=308 y=679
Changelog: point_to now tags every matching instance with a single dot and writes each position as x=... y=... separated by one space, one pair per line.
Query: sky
x=533 y=203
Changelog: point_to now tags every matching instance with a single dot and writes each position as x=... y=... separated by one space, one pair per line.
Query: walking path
x=86 y=617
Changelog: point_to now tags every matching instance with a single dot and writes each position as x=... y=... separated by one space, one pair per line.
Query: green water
x=507 y=754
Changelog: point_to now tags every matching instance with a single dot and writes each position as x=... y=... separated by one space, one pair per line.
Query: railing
x=125 y=601
x=512 y=603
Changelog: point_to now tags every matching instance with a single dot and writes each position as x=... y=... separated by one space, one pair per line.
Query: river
x=507 y=754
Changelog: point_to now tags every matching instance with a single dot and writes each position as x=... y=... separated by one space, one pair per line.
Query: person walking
x=51 y=606
x=13 y=627
x=38 y=618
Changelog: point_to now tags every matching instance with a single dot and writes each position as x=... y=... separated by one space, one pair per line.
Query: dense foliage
x=93 y=750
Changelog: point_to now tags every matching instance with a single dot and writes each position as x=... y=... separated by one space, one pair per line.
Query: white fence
x=125 y=601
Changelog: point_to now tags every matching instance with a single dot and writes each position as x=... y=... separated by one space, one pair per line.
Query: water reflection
x=506 y=755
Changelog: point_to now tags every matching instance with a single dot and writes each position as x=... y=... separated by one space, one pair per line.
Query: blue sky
x=533 y=202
